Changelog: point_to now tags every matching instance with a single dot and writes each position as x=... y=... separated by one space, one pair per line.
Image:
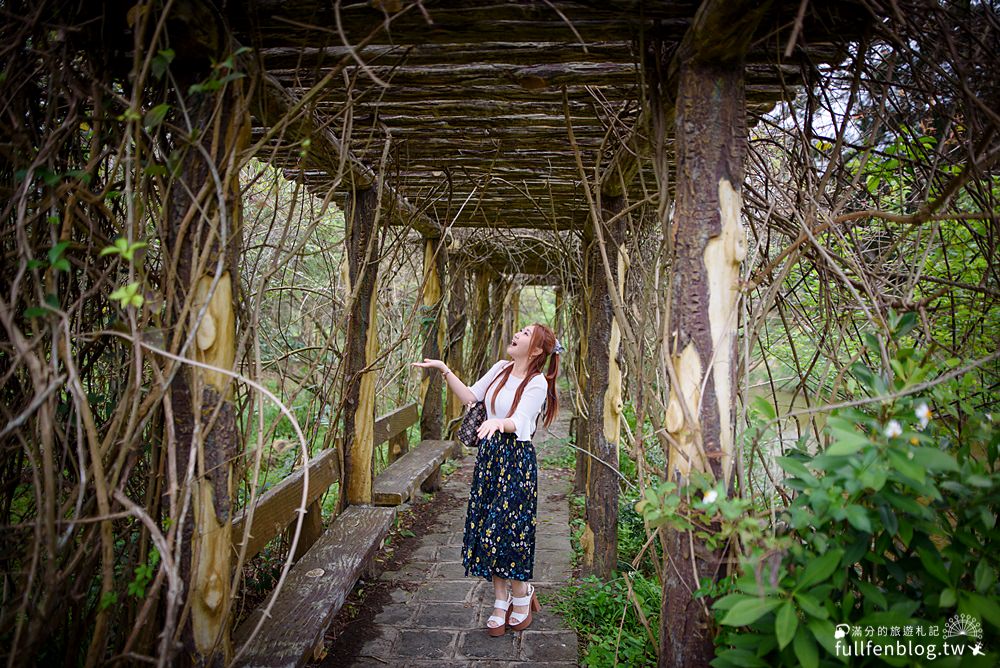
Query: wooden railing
x=274 y=511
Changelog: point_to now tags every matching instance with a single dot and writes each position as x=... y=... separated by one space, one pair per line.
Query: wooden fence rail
x=275 y=509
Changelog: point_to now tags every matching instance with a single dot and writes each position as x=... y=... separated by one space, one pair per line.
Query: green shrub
x=891 y=526
x=605 y=616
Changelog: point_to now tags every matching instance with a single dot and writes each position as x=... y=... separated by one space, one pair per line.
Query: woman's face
x=518 y=347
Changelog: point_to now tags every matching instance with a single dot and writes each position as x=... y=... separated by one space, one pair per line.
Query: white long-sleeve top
x=527 y=409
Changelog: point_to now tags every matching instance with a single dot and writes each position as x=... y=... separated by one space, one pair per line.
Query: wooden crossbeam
x=281 y=110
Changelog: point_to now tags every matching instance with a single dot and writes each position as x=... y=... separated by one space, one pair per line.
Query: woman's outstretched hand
x=431 y=364
x=489 y=427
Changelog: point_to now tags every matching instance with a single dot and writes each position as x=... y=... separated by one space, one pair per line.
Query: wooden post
x=430 y=386
x=312 y=529
x=515 y=308
x=604 y=393
x=457 y=320
x=500 y=300
x=361 y=348
x=560 y=313
x=202 y=246
x=579 y=322
x=710 y=143
x=399 y=445
x=480 y=328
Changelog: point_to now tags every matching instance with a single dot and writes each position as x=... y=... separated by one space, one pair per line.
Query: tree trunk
x=498 y=309
x=202 y=246
x=457 y=320
x=430 y=386
x=604 y=392
x=580 y=320
x=361 y=347
x=710 y=244
x=480 y=329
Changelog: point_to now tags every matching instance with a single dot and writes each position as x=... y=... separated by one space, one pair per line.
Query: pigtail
x=551 y=396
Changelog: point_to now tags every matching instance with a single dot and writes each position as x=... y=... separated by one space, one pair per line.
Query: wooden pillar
x=361 y=346
x=480 y=329
x=579 y=320
x=201 y=263
x=399 y=445
x=710 y=144
x=560 y=313
x=515 y=308
x=500 y=331
x=433 y=330
x=604 y=394
x=457 y=320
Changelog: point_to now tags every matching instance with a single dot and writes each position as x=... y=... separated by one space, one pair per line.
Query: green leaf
x=948 y=598
x=888 y=519
x=981 y=606
x=985 y=577
x=858 y=517
x=933 y=459
x=794 y=467
x=749 y=611
x=56 y=251
x=785 y=624
x=36 y=312
x=872 y=594
x=161 y=62
x=108 y=599
x=845 y=442
x=763 y=406
x=155 y=116
x=906 y=466
x=810 y=605
x=819 y=569
x=931 y=560
x=805 y=649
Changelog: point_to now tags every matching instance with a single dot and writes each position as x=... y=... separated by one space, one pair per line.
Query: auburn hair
x=544 y=338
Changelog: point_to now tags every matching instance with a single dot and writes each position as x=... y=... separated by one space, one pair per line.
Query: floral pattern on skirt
x=503 y=500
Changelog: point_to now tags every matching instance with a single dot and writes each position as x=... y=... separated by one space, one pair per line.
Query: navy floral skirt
x=500 y=522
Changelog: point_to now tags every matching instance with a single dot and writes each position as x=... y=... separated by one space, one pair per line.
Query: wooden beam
x=287 y=117
x=308 y=23
x=275 y=509
x=482 y=322
x=435 y=257
x=396 y=422
x=532 y=77
x=514 y=53
x=362 y=240
x=457 y=322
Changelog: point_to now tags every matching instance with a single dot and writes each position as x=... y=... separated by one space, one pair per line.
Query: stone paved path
x=438 y=615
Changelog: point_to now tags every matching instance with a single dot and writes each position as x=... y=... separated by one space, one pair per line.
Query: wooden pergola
x=519 y=134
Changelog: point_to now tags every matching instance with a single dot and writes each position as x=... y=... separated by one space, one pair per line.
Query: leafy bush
x=603 y=614
x=892 y=525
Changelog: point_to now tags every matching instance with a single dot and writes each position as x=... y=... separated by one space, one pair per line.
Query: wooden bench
x=315 y=590
x=420 y=467
x=328 y=564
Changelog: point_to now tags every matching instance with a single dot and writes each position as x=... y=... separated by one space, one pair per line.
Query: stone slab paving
x=437 y=615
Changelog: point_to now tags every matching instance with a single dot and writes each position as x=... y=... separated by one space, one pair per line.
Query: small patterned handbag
x=474 y=418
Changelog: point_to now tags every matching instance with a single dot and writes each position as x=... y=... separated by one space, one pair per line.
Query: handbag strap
x=487 y=392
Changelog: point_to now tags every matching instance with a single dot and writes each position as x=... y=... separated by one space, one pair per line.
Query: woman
x=499 y=542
